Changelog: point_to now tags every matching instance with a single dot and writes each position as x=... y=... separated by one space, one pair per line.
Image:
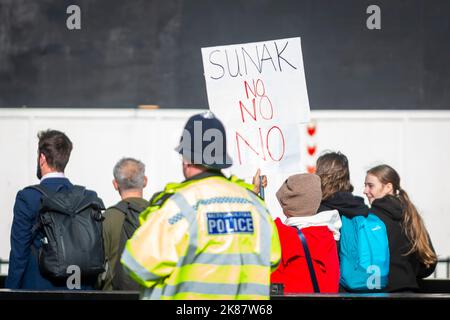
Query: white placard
x=259 y=92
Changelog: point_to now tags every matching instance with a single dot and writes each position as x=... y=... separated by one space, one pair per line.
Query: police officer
x=209 y=237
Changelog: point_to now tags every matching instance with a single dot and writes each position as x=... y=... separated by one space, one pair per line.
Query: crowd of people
x=210 y=236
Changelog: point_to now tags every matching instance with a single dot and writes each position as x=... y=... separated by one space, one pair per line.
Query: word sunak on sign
x=236 y=61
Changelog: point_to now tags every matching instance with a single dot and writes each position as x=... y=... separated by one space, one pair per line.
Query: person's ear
x=42 y=159
x=115 y=184
x=187 y=165
x=389 y=188
x=145 y=182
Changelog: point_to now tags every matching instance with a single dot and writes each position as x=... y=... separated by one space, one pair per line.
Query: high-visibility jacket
x=212 y=239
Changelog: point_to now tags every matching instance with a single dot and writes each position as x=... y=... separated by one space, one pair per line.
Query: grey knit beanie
x=300 y=195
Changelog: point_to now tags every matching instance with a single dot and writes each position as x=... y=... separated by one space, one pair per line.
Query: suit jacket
x=23 y=271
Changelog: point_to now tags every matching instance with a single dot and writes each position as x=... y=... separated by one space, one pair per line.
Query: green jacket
x=112 y=227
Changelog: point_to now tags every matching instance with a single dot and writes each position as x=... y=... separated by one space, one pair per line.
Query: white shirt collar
x=53 y=175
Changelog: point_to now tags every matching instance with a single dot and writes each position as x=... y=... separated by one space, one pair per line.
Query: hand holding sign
x=259 y=182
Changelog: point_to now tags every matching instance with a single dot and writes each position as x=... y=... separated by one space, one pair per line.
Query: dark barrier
x=434 y=286
x=432 y=289
x=367 y=297
x=428 y=289
x=6 y=294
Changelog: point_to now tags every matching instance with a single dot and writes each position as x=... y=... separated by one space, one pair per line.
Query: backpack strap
x=45 y=192
x=127 y=207
x=312 y=273
x=80 y=192
x=38 y=224
x=135 y=207
x=122 y=207
x=78 y=189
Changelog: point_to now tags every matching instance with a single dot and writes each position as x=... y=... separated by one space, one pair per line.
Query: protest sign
x=259 y=92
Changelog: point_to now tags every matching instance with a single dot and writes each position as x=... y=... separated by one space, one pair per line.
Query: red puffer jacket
x=293 y=270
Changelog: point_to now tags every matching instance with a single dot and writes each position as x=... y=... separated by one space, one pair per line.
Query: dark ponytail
x=415 y=231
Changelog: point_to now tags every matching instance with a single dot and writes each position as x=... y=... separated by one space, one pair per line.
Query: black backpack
x=70 y=226
x=121 y=280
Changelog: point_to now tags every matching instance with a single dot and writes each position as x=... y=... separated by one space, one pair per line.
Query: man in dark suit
x=53 y=154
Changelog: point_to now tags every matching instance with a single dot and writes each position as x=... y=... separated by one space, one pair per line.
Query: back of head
x=334 y=173
x=300 y=195
x=413 y=225
x=204 y=142
x=129 y=174
x=56 y=147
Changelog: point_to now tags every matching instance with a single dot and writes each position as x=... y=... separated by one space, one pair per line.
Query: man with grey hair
x=121 y=220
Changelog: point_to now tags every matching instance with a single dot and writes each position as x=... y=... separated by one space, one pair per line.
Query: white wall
x=416 y=143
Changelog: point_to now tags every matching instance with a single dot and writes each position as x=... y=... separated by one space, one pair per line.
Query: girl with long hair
x=412 y=255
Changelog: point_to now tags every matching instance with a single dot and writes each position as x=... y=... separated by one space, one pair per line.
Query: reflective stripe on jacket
x=212 y=239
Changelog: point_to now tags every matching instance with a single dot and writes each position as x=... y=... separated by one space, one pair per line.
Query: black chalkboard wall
x=135 y=52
